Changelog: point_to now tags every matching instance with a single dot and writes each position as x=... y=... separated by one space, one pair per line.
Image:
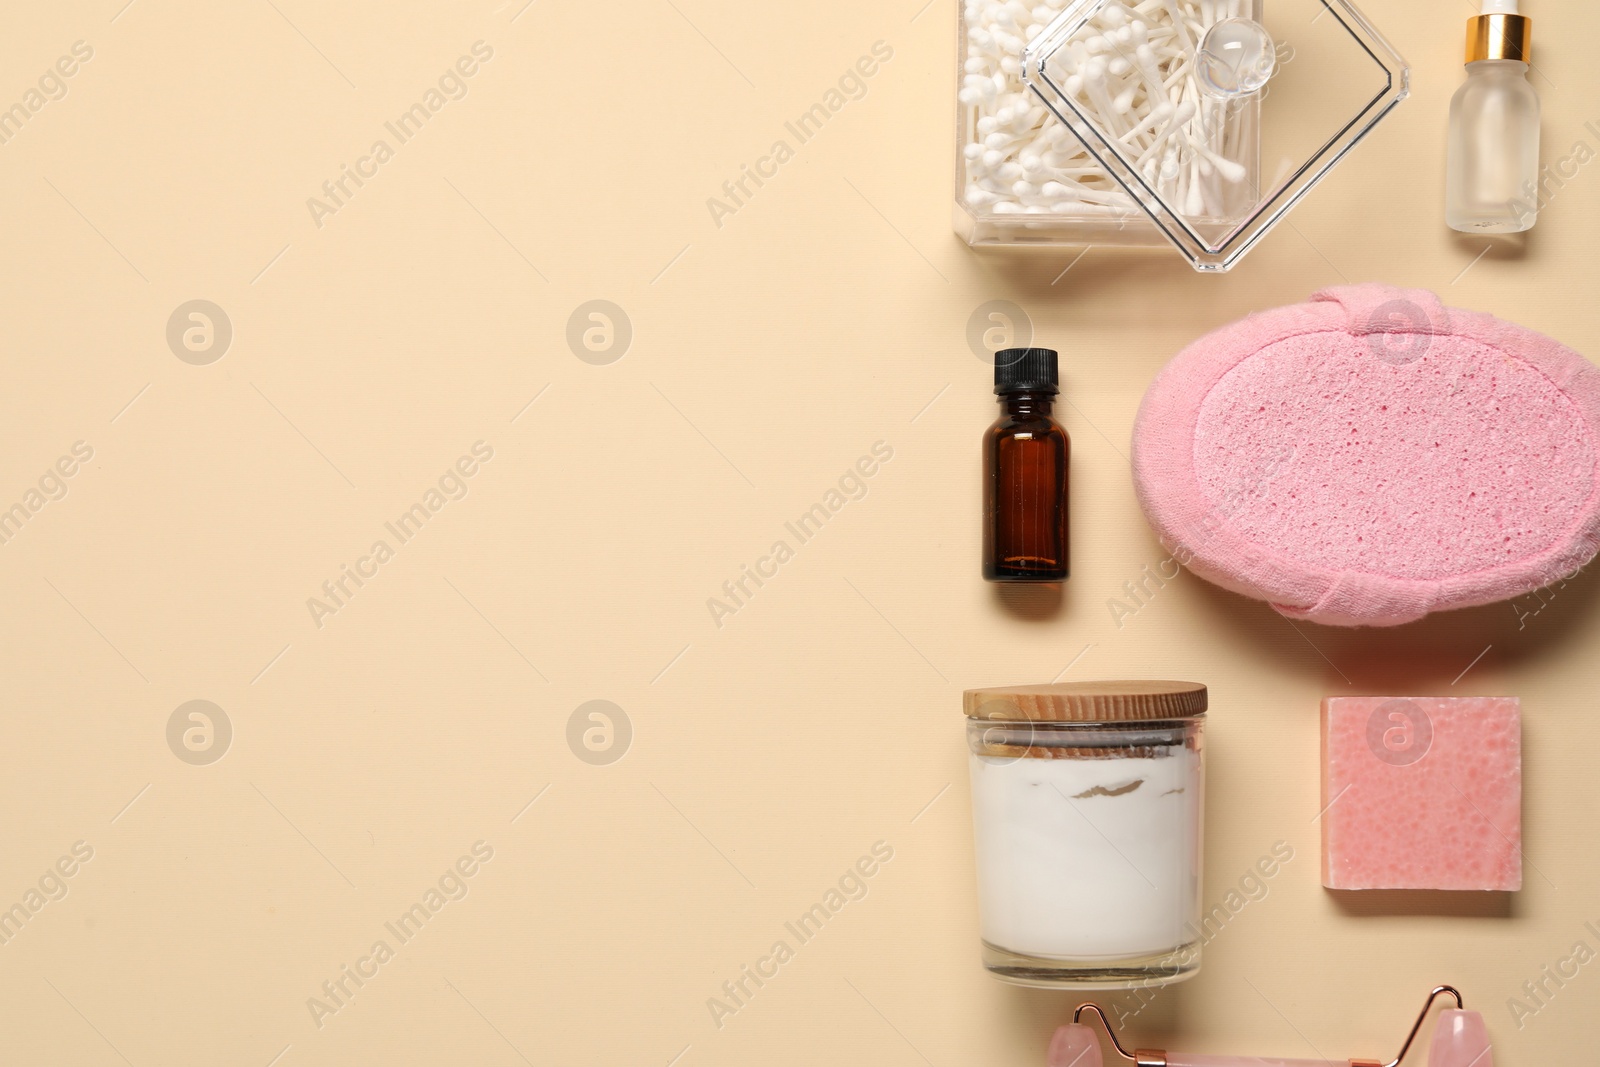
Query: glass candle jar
x=1087 y=805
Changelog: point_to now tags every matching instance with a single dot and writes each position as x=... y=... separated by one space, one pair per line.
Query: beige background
x=829 y=313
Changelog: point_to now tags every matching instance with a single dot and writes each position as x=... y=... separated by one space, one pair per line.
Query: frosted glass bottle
x=1492 y=169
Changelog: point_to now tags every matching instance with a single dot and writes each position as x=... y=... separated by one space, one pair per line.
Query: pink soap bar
x=1422 y=793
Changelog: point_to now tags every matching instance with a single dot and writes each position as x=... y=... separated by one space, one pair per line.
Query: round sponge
x=1373 y=456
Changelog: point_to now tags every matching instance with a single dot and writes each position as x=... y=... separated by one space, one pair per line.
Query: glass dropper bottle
x=1025 y=458
x=1492 y=170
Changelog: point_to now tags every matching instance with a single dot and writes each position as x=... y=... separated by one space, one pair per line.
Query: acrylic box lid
x=1215 y=116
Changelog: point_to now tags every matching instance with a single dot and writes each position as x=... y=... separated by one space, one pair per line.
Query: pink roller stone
x=1074 y=1045
x=1422 y=793
x=1460 y=1040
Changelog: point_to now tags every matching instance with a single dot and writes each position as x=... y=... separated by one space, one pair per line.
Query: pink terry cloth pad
x=1422 y=793
x=1372 y=456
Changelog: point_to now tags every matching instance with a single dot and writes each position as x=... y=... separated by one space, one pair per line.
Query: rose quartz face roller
x=1459 y=1040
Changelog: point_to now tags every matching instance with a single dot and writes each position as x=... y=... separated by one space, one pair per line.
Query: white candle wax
x=1087 y=858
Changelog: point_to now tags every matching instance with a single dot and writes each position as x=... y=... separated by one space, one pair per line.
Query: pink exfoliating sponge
x=1422 y=793
x=1371 y=456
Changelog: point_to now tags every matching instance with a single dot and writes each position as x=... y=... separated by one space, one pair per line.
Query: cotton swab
x=1132 y=71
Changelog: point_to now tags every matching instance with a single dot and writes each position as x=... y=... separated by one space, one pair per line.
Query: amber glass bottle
x=1025 y=456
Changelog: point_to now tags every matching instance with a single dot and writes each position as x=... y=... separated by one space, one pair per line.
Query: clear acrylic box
x=1191 y=123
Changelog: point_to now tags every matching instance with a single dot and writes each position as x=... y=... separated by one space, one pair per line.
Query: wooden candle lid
x=1114 y=701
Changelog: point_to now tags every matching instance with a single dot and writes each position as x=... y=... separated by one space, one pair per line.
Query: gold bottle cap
x=1499 y=36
